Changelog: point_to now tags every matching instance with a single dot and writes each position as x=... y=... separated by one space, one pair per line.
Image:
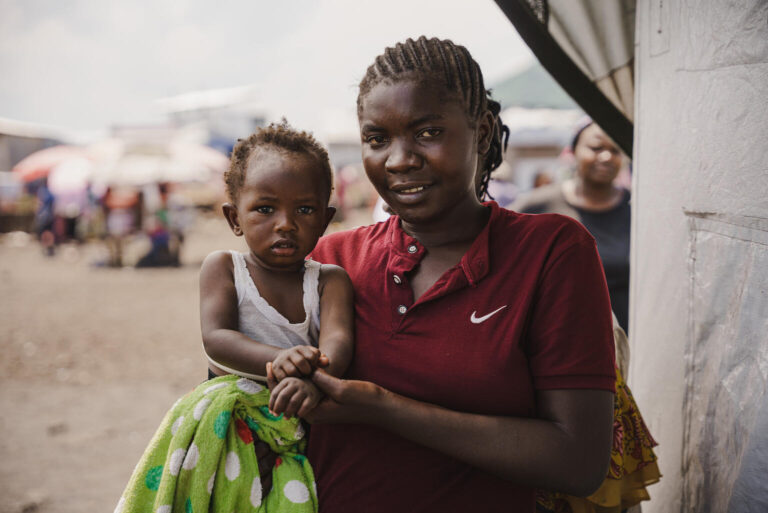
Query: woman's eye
x=430 y=132
x=264 y=210
x=375 y=139
x=306 y=210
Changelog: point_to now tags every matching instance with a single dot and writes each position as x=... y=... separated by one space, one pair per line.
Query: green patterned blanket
x=202 y=459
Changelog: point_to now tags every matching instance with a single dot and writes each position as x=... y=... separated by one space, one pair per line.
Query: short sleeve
x=570 y=342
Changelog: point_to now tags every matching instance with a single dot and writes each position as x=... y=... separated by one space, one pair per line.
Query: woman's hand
x=346 y=400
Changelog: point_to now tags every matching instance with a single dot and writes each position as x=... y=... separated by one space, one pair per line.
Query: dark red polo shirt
x=526 y=308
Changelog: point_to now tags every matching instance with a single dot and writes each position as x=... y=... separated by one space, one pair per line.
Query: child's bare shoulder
x=332 y=271
x=217 y=262
x=334 y=274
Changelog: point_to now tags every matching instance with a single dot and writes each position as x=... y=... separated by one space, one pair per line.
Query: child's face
x=281 y=210
x=419 y=150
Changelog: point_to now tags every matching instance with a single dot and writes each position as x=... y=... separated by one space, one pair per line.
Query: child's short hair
x=277 y=136
x=452 y=65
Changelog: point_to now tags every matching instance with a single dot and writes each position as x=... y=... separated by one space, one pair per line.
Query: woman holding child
x=483 y=364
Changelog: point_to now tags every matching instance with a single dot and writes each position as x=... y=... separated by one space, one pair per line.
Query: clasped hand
x=288 y=376
x=318 y=397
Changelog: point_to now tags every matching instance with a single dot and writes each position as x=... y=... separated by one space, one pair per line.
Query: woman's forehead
x=408 y=100
x=594 y=134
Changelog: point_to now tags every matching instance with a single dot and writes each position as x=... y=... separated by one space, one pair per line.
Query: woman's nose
x=604 y=156
x=401 y=158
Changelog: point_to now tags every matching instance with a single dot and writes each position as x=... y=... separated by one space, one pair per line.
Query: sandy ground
x=91 y=360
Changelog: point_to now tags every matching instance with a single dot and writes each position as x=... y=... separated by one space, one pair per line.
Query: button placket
x=397 y=279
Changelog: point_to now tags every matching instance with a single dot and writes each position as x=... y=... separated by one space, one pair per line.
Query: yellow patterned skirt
x=633 y=465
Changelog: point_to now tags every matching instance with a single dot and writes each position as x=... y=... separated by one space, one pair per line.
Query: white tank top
x=260 y=321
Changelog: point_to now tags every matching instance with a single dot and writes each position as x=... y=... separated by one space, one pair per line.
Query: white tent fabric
x=699 y=257
x=699 y=301
x=599 y=37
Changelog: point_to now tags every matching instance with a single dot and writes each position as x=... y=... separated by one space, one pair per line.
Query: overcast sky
x=87 y=64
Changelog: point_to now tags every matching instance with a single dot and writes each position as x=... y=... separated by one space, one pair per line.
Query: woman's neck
x=591 y=196
x=460 y=226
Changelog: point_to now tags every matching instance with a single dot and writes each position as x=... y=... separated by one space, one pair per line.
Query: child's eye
x=430 y=132
x=264 y=210
x=306 y=210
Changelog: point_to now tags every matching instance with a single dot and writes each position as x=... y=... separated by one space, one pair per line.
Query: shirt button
x=402 y=309
x=397 y=279
x=412 y=249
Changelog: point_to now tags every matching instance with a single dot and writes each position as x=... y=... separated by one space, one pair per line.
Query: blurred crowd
x=113 y=214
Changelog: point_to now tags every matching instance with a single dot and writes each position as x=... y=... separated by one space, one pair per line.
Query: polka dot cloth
x=202 y=457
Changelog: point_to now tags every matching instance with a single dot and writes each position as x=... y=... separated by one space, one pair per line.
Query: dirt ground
x=91 y=360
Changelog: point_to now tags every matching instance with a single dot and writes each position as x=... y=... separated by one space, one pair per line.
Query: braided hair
x=452 y=65
x=280 y=137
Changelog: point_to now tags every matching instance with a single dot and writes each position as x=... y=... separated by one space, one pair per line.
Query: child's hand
x=294 y=396
x=297 y=361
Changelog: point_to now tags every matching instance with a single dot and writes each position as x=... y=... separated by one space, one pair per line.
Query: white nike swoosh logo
x=478 y=320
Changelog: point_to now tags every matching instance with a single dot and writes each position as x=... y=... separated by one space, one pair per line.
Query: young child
x=266 y=306
x=261 y=313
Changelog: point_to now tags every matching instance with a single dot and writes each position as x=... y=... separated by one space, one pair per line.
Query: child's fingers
x=294 y=403
x=302 y=364
x=284 y=369
x=308 y=405
x=275 y=394
x=323 y=361
x=282 y=396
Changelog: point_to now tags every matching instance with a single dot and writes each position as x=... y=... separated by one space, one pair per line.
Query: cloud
x=88 y=64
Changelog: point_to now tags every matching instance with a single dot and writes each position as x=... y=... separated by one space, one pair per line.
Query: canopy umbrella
x=70 y=176
x=40 y=163
x=588 y=48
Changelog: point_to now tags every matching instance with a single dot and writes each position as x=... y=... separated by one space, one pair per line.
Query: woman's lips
x=410 y=193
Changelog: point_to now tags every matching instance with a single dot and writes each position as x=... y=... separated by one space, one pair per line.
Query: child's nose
x=285 y=223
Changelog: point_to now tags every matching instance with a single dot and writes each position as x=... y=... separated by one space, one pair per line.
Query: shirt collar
x=475 y=263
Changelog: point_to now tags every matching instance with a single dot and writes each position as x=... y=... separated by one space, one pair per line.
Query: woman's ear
x=485 y=128
x=230 y=212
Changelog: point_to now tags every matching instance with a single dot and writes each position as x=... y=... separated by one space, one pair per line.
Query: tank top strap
x=240 y=274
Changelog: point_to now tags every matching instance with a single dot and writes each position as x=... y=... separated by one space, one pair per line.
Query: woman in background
x=592 y=197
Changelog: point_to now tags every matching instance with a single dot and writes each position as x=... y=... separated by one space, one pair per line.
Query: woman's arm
x=337 y=318
x=566 y=449
x=219 y=320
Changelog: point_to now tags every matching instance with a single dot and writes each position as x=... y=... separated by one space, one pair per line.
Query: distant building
x=216 y=117
x=541 y=117
x=19 y=139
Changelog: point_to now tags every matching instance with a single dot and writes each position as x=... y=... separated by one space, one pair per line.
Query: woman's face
x=598 y=159
x=419 y=150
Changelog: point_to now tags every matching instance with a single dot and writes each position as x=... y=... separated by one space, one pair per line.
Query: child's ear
x=230 y=212
x=329 y=213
